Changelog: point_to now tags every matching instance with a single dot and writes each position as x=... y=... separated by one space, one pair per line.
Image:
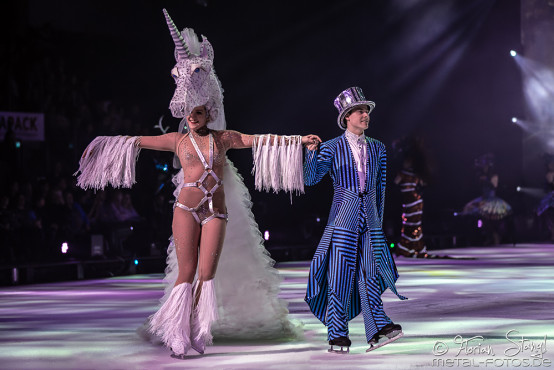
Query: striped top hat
x=348 y=99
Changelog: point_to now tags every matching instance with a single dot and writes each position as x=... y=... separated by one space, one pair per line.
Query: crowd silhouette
x=40 y=206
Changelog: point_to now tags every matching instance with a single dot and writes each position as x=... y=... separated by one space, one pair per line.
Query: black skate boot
x=388 y=333
x=340 y=342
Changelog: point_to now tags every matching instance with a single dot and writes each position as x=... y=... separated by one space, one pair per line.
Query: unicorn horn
x=180 y=44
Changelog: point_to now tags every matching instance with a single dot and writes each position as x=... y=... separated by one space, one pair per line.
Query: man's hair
x=352 y=110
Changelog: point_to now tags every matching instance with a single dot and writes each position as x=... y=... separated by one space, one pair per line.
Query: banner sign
x=27 y=126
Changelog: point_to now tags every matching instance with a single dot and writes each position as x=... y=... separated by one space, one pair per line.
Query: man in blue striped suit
x=352 y=265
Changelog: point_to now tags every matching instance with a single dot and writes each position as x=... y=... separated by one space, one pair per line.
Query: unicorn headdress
x=194 y=74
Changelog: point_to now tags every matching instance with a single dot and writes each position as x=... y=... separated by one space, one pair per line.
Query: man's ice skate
x=388 y=333
x=341 y=342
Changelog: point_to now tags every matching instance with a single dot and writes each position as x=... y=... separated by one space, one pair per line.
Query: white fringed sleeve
x=109 y=160
x=278 y=163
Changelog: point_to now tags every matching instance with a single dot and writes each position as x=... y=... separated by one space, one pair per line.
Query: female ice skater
x=210 y=200
x=489 y=206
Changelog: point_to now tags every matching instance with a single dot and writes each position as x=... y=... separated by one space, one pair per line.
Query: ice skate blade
x=378 y=345
x=340 y=352
x=394 y=333
x=198 y=348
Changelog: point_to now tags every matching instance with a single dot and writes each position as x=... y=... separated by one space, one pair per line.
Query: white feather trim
x=278 y=163
x=191 y=39
x=108 y=160
x=204 y=314
x=172 y=320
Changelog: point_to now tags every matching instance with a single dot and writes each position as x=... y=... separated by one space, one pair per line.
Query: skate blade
x=339 y=351
x=201 y=352
x=378 y=345
x=393 y=334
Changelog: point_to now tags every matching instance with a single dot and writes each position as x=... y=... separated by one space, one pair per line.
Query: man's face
x=358 y=118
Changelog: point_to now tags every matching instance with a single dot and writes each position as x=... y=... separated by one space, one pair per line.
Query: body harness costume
x=203 y=213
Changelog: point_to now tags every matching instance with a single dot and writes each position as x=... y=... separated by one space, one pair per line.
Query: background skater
x=352 y=265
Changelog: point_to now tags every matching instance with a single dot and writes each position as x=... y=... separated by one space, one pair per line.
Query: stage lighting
x=65 y=247
x=518 y=188
x=513 y=53
x=318 y=219
x=266 y=235
x=479 y=224
x=514 y=119
x=136 y=262
x=392 y=245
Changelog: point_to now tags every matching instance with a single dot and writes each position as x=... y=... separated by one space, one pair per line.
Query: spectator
x=122 y=207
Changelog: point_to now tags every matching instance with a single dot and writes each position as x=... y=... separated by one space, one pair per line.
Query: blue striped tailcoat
x=355 y=213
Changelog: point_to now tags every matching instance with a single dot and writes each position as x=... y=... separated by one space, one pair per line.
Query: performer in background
x=492 y=209
x=248 y=291
x=545 y=209
x=411 y=179
x=352 y=265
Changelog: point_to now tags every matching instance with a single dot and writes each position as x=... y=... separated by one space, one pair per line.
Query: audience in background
x=40 y=205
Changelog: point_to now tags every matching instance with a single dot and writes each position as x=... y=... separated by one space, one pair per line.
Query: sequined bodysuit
x=204 y=211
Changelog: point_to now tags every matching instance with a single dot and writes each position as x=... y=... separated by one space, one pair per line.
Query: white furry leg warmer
x=172 y=321
x=203 y=315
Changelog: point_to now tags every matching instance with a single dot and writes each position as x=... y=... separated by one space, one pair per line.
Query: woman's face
x=198 y=118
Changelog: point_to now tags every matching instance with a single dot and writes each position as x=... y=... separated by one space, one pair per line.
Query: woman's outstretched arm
x=277 y=159
x=237 y=140
x=167 y=142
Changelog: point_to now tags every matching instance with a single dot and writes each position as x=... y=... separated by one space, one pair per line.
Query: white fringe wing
x=278 y=163
x=108 y=160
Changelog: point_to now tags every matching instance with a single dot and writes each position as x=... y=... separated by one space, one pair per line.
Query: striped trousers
x=353 y=266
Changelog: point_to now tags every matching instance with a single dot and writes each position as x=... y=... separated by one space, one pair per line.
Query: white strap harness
x=208 y=194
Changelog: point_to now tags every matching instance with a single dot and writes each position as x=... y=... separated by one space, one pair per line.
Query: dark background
x=437 y=69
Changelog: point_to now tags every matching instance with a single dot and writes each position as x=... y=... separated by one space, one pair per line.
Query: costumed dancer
x=488 y=206
x=546 y=206
x=352 y=265
x=411 y=179
x=247 y=284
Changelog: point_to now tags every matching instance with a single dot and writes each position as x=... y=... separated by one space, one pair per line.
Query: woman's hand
x=311 y=141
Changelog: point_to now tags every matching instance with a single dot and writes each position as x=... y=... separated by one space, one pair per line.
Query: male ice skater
x=352 y=265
